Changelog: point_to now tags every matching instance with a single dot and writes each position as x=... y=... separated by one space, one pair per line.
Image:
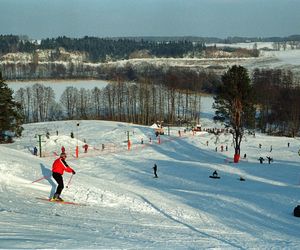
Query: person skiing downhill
x=58 y=168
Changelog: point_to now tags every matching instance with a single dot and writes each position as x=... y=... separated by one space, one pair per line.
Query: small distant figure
x=269 y=159
x=226 y=148
x=35 y=151
x=206 y=143
x=85 y=146
x=259 y=145
x=155 y=171
x=56 y=132
x=297 y=211
x=48 y=135
x=288 y=144
x=150 y=139
x=142 y=141
x=245 y=156
x=72 y=135
x=261 y=160
x=103 y=146
x=63 y=150
x=222 y=148
x=179 y=132
x=216 y=149
x=215 y=173
x=156 y=133
x=271 y=148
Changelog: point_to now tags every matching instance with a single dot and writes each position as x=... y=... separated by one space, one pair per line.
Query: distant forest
x=99 y=49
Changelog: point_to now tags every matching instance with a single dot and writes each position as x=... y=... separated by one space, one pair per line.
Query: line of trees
x=140 y=103
x=101 y=49
x=278 y=100
x=273 y=98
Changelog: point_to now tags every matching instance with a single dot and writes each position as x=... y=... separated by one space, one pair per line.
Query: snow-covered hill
x=126 y=208
x=44 y=64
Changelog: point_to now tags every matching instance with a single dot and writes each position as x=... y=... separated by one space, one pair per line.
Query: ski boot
x=56 y=197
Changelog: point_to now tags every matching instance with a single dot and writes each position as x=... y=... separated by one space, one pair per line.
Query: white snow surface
x=124 y=207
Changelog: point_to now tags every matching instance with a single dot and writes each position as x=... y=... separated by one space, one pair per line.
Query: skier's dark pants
x=155 y=174
x=60 y=182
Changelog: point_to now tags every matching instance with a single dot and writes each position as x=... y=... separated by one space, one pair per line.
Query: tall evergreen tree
x=10 y=113
x=234 y=104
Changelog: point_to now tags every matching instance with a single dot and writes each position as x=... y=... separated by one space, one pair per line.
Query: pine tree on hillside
x=234 y=104
x=10 y=116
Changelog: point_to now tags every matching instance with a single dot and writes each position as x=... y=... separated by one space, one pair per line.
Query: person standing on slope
x=155 y=170
x=58 y=168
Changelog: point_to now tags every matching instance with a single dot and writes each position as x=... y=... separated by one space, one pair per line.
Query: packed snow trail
x=127 y=208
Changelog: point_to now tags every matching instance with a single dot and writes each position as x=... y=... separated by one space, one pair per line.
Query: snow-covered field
x=124 y=207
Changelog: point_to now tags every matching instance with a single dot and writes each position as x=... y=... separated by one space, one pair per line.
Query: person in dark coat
x=215 y=173
x=261 y=160
x=270 y=159
x=155 y=170
x=35 y=150
x=85 y=146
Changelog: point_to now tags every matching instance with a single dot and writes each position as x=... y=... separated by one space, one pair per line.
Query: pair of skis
x=61 y=202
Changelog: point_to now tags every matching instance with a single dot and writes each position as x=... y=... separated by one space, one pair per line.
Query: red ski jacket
x=59 y=166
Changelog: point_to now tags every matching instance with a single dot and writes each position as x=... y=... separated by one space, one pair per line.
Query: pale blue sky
x=111 y=18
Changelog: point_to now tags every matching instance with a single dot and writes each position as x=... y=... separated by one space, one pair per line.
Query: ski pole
x=69 y=181
x=44 y=177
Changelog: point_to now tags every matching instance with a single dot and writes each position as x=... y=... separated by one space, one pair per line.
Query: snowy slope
x=125 y=207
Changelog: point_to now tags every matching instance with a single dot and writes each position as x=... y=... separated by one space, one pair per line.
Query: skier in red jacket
x=58 y=168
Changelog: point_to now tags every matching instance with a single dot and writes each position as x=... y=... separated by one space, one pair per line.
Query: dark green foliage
x=235 y=87
x=12 y=44
x=278 y=101
x=234 y=103
x=10 y=115
x=101 y=48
